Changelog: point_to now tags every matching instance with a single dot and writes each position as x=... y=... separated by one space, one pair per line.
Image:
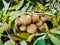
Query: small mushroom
x=39 y=23
x=25 y=19
x=32 y=28
x=18 y=22
x=44 y=24
x=35 y=18
x=42 y=28
x=22 y=28
x=43 y=19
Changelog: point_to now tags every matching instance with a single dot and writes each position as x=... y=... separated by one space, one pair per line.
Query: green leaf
x=1 y=35
x=4 y=26
x=58 y=17
x=12 y=18
x=1 y=24
x=14 y=30
x=30 y=8
x=40 y=41
x=49 y=13
x=30 y=37
x=6 y=6
x=39 y=7
x=1 y=42
x=55 y=31
x=30 y=2
x=9 y=42
x=47 y=37
x=54 y=39
x=1 y=14
x=19 y=4
x=25 y=7
x=23 y=42
x=48 y=44
x=6 y=17
x=54 y=21
x=13 y=13
x=15 y=38
x=1 y=31
x=12 y=7
x=23 y=35
x=53 y=11
x=40 y=34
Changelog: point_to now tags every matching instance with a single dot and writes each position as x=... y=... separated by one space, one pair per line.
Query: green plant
x=9 y=13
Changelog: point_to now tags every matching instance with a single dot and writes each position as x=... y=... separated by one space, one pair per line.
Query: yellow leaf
x=39 y=7
x=16 y=1
x=58 y=17
x=15 y=37
x=23 y=35
x=1 y=30
x=54 y=21
x=12 y=7
x=1 y=35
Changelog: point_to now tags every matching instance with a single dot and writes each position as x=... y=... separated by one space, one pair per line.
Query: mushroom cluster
x=32 y=23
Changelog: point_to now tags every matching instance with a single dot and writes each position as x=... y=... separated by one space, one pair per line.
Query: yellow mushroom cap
x=18 y=22
x=32 y=28
x=22 y=28
x=39 y=23
x=25 y=19
x=35 y=18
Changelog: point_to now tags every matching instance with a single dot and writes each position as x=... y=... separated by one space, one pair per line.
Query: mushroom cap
x=22 y=28
x=35 y=18
x=18 y=22
x=42 y=28
x=25 y=19
x=39 y=23
x=32 y=29
x=43 y=19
